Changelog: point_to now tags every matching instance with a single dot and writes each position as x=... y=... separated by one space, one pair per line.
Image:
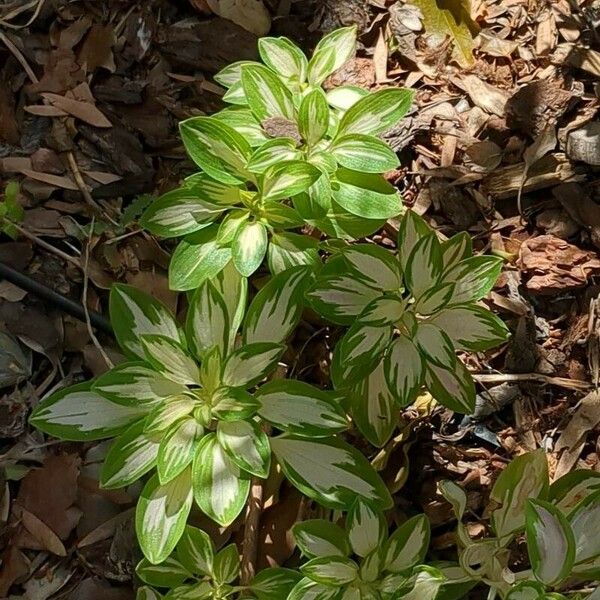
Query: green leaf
x=570 y=489
x=300 y=408
x=78 y=414
x=404 y=370
x=134 y=313
x=366 y=528
x=197 y=591
x=453 y=20
x=170 y=359
x=377 y=266
x=196 y=551
x=147 y=593
x=318 y=538
x=412 y=229
x=198 y=257
x=435 y=346
x=525 y=477
x=167 y=413
x=331 y=472
x=288 y=250
x=550 y=542
x=339 y=223
x=286 y=179
x=473 y=278
x=344 y=96
x=266 y=94
x=331 y=570
x=179 y=212
x=246 y=445
x=135 y=384
x=471 y=327
x=271 y=153
x=216 y=148
x=376 y=112
x=251 y=363
x=313 y=117
x=373 y=407
x=364 y=153
x=207 y=324
x=306 y=589
x=274 y=583
x=331 y=53
x=131 y=455
x=457 y=248
x=244 y=122
x=451 y=386
x=232 y=73
x=219 y=489
x=233 y=288
x=408 y=545
x=584 y=522
x=366 y=195
x=281 y=216
x=226 y=565
x=434 y=299
x=526 y=590
x=383 y=311
x=161 y=513
x=212 y=191
x=424 y=266
x=249 y=247
x=276 y=309
x=169 y=573
x=284 y=57
x=177 y=448
x=233 y=404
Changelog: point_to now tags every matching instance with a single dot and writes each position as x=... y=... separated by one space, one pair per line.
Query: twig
x=250 y=543
x=15 y=13
x=19 y=56
x=88 y=321
x=573 y=384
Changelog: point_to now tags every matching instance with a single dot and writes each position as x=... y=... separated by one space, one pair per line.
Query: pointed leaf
x=169 y=573
x=331 y=570
x=404 y=370
x=408 y=545
x=251 y=363
x=318 y=537
x=249 y=247
x=177 y=448
x=313 y=117
x=226 y=565
x=473 y=278
x=424 y=266
x=196 y=551
x=266 y=94
x=169 y=412
x=451 y=386
x=306 y=589
x=288 y=250
x=378 y=267
x=584 y=521
x=169 y=359
x=434 y=345
x=366 y=527
x=271 y=153
x=331 y=53
x=274 y=583
x=233 y=404
x=288 y=178
x=434 y=299
x=364 y=153
x=412 y=229
x=246 y=445
x=284 y=57
x=457 y=248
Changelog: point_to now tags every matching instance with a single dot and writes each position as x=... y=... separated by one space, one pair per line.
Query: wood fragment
x=584 y=144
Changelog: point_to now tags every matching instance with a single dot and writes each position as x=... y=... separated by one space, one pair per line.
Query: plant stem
x=251 y=526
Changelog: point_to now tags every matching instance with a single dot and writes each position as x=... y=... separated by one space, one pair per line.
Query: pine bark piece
x=584 y=144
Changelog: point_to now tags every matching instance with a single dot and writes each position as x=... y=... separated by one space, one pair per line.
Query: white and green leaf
x=169 y=573
x=331 y=53
x=271 y=153
x=170 y=359
x=375 y=265
x=473 y=278
x=286 y=179
x=195 y=551
x=364 y=153
x=331 y=570
x=274 y=583
x=307 y=589
x=266 y=94
x=177 y=448
x=407 y=546
x=585 y=523
x=284 y=57
x=366 y=527
x=226 y=565
x=451 y=386
x=412 y=229
x=313 y=117
x=251 y=363
x=424 y=266
x=434 y=299
x=288 y=250
x=168 y=412
x=404 y=370
x=249 y=247
x=246 y=445
x=318 y=538
x=435 y=345
x=233 y=404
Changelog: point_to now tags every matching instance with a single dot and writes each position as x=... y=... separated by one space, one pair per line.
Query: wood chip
x=80 y=110
x=584 y=144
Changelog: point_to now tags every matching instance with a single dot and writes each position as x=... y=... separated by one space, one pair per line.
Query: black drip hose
x=66 y=304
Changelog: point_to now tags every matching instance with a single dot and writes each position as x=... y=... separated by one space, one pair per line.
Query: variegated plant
x=186 y=405
x=360 y=561
x=408 y=315
x=562 y=526
x=196 y=571
x=285 y=154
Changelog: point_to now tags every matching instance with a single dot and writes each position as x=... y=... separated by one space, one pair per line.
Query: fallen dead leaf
x=41 y=532
x=81 y=110
x=482 y=94
x=252 y=15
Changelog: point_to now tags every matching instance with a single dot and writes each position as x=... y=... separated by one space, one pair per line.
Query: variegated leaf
x=375 y=265
x=371 y=566
x=78 y=414
x=383 y=311
x=196 y=591
x=170 y=360
x=300 y=408
x=131 y=455
x=434 y=299
x=471 y=327
x=408 y=545
x=266 y=94
x=216 y=148
x=219 y=487
x=161 y=513
x=424 y=267
x=281 y=216
x=251 y=363
x=232 y=73
x=404 y=370
x=306 y=589
x=147 y=593
x=169 y=573
x=358 y=353
x=473 y=278
x=177 y=448
x=276 y=309
x=286 y=179
x=585 y=523
x=366 y=528
x=570 y=489
x=249 y=247
x=435 y=346
x=457 y=248
x=207 y=324
x=212 y=191
x=284 y=57
x=331 y=472
x=243 y=121
x=168 y=412
x=457 y=497
x=331 y=570
x=134 y=313
x=550 y=542
x=246 y=445
x=179 y=212
x=345 y=96
x=525 y=477
x=412 y=229
x=233 y=404
x=364 y=153
x=376 y=112
x=373 y=407
x=526 y=590
x=274 y=583
x=135 y=384
x=226 y=565
x=288 y=250
x=313 y=117
x=451 y=386
x=331 y=53
x=196 y=551
x=424 y=584
x=271 y=153
x=198 y=257
x=318 y=537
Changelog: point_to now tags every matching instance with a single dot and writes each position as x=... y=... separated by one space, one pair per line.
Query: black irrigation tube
x=65 y=304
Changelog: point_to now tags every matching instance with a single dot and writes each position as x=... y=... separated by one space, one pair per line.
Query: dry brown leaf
x=249 y=14
x=81 y=110
x=482 y=94
x=486 y=154
x=380 y=58
x=97 y=49
x=41 y=532
x=45 y=110
x=56 y=180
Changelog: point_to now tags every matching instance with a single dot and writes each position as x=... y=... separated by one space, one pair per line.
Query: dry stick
x=250 y=543
x=536 y=377
x=4 y=22
x=17 y=54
